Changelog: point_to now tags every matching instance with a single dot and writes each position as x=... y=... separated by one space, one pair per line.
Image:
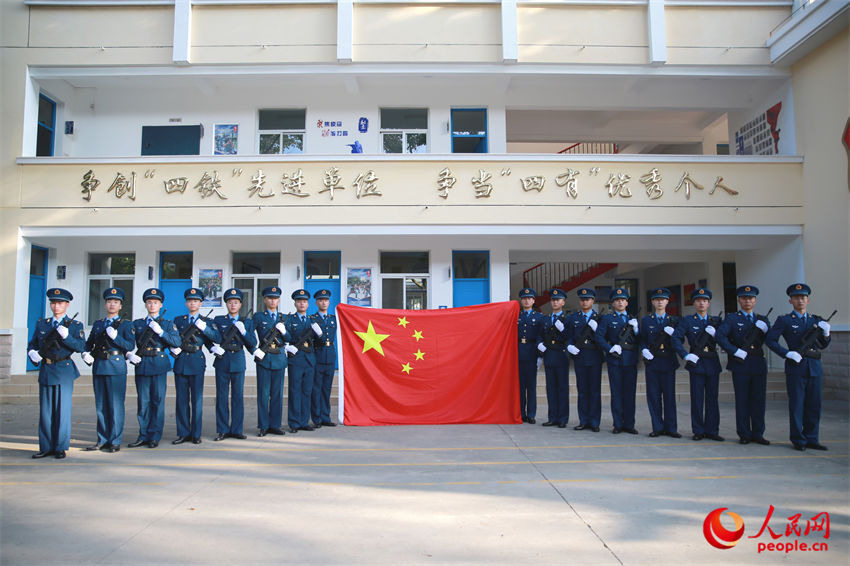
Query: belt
x=523 y=341
x=149 y=352
x=709 y=354
x=231 y=347
x=105 y=354
x=812 y=354
x=48 y=361
x=325 y=344
x=629 y=347
x=190 y=348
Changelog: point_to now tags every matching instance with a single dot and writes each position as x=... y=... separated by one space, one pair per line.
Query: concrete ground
x=500 y=494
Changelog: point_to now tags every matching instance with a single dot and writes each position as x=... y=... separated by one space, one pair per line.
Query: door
x=471 y=281
x=175 y=276
x=322 y=271
x=37 y=291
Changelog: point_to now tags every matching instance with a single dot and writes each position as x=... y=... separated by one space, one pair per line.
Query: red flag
x=444 y=366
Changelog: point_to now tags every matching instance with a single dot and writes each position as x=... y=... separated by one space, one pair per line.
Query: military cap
x=660 y=293
x=619 y=293
x=193 y=293
x=556 y=293
x=527 y=292
x=232 y=294
x=114 y=293
x=798 y=289
x=322 y=294
x=586 y=294
x=153 y=293
x=701 y=293
x=271 y=292
x=300 y=294
x=57 y=294
x=747 y=291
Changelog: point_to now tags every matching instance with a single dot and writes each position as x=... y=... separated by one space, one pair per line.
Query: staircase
x=563 y=275
x=583 y=148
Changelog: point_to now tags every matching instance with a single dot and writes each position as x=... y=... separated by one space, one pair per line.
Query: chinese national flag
x=445 y=366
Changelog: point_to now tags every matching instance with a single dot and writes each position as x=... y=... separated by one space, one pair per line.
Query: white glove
x=34 y=356
x=559 y=325
x=290 y=349
x=616 y=349
x=62 y=331
x=134 y=359
x=259 y=354
x=539 y=362
x=573 y=350
x=792 y=355
x=739 y=353
x=240 y=327
x=824 y=325
x=634 y=323
x=693 y=358
x=176 y=351
x=154 y=325
x=592 y=324
x=541 y=347
x=710 y=330
x=647 y=354
x=669 y=330
x=761 y=325
x=111 y=332
x=217 y=350
x=281 y=327
x=201 y=324
x=316 y=328
x=88 y=358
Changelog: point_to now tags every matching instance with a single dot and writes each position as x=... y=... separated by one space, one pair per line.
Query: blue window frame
x=469 y=130
x=46 y=126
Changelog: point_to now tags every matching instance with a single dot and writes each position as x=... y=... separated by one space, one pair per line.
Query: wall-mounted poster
x=209 y=281
x=359 y=286
x=226 y=137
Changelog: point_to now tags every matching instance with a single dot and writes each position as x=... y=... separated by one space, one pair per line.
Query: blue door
x=322 y=271
x=37 y=291
x=471 y=278
x=175 y=276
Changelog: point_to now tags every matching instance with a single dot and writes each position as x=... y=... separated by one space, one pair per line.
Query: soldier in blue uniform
x=229 y=364
x=805 y=336
x=190 y=364
x=53 y=341
x=587 y=360
x=109 y=341
x=617 y=336
x=528 y=335
x=302 y=362
x=271 y=363
x=661 y=364
x=153 y=335
x=325 y=349
x=703 y=365
x=741 y=335
x=553 y=345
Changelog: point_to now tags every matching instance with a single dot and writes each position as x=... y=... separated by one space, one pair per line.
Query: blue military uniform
x=270 y=369
x=803 y=379
x=749 y=376
x=325 y=350
x=190 y=364
x=230 y=371
x=587 y=363
x=302 y=367
x=705 y=373
x=661 y=369
x=151 y=373
x=529 y=333
x=556 y=364
x=109 y=373
x=56 y=375
x=615 y=330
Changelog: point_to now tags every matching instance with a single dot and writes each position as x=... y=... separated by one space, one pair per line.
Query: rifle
x=626 y=337
x=271 y=335
x=754 y=333
x=704 y=339
x=302 y=340
x=52 y=339
x=811 y=336
x=551 y=335
x=232 y=332
x=148 y=334
x=190 y=331
x=587 y=335
x=658 y=341
x=100 y=342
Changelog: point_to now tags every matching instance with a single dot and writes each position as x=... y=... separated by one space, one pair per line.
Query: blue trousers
x=109 y=394
x=54 y=419
x=589 y=386
x=300 y=392
x=804 y=403
x=705 y=411
x=190 y=404
x=269 y=398
x=558 y=392
x=320 y=407
x=750 y=394
x=623 y=382
x=528 y=388
x=150 y=406
x=661 y=398
x=229 y=386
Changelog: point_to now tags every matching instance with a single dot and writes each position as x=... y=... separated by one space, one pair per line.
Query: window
x=404 y=130
x=110 y=270
x=46 y=126
x=253 y=272
x=321 y=265
x=402 y=285
x=282 y=131
x=171 y=140
x=176 y=265
x=469 y=131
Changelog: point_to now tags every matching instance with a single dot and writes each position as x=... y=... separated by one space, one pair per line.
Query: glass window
x=471 y=265
x=402 y=286
x=404 y=262
x=176 y=265
x=112 y=264
x=110 y=270
x=404 y=130
x=256 y=262
x=469 y=131
x=38 y=261
x=253 y=272
x=46 y=126
x=281 y=131
x=321 y=265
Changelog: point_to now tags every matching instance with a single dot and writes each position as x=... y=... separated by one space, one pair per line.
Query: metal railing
x=544 y=276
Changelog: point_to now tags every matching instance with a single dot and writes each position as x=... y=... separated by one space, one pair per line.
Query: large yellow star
x=371 y=339
x=417 y=334
x=403 y=321
x=406 y=368
x=419 y=354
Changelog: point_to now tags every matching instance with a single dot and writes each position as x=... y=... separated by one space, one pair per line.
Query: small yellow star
x=417 y=334
x=403 y=321
x=419 y=354
x=406 y=368
x=371 y=339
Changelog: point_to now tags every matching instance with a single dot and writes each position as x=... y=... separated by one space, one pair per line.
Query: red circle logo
x=717 y=535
